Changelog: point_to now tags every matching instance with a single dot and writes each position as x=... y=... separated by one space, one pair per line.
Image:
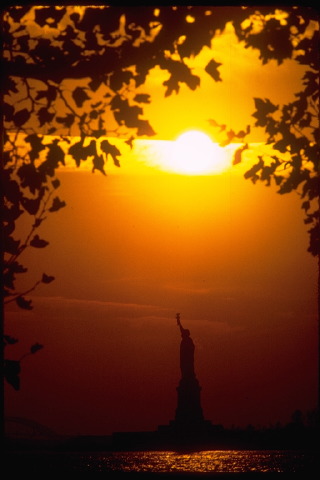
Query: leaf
x=10 y=215
x=11 y=245
x=91 y=149
x=96 y=105
x=79 y=95
x=47 y=278
x=37 y=242
x=55 y=183
x=211 y=69
x=118 y=78
x=35 y=348
x=93 y=114
x=21 y=117
x=31 y=205
x=314 y=239
x=311 y=188
x=130 y=142
x=36 y=145
x=30 y=177
x=278 y=179
x=306 y=205
x=38 y=222
x=213 y=123
x=112 y=150
x=230 y=136
x=95 y=83
x=79 y=152
x=75 y=17
x=10 y=340
x=23 y=303
x=98 y=133
x=57 y=204
x=41 y=94
x=253 y=170
x=49 y=15
x=9 y=275
x=50 y=94
x=193 y=81
x=144 y=128
x=306 y=121
x=237 y=158
x=11 y=191
x=128 y=114
x=8 y=112
x=172 y=84
x=76 y=150
x=54 y=156
x=10 y=85
x=264 y=108
x=142 y=98
x=16 y=267
x=117 y=103
x=67 y=121
x=98 y=164
x=243 y=133
x=11 y=373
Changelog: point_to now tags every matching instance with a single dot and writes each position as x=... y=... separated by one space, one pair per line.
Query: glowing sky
x=128 y=252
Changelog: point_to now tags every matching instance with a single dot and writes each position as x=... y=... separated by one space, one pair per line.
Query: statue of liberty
x=189 y=420
x=186 y=351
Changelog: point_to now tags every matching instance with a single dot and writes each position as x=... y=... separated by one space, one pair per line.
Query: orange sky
x=127 y=254
x=133 y=248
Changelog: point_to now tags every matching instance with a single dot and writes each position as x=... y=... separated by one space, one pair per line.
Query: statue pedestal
x=189 y=411
x=189 y=418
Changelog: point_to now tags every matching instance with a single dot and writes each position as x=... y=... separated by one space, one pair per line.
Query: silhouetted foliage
x=73 y=76
x=12 y=368
x=291 y=129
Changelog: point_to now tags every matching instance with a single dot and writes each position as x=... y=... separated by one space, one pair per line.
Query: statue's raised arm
x=179 y=323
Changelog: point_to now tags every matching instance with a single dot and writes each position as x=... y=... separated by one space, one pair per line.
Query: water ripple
x=217 y=461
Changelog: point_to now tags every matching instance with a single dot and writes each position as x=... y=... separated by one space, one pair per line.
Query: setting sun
x=194 y=153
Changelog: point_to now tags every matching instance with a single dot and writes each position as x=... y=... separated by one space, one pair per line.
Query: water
x=218 y=461
x=166 y=462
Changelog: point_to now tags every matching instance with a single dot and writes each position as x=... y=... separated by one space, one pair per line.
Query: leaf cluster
x=29 y=188
x=12 y=368
x=292 y=129
x=108 y=53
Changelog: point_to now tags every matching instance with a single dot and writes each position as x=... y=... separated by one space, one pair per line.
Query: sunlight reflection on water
x=218 y=461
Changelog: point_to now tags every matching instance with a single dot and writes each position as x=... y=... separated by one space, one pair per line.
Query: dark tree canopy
x=78 y=73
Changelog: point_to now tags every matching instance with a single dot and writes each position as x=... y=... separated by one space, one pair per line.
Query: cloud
x=56 y=305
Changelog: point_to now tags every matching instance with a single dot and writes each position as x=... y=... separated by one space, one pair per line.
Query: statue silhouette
x=186 y=352
x=189 y=424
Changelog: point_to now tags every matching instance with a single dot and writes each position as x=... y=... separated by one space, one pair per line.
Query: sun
x=194 y=153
